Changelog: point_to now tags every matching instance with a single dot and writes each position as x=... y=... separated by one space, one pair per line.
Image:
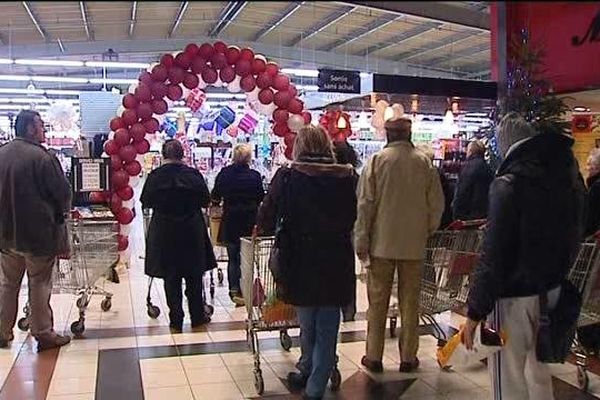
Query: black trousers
x=195 y=297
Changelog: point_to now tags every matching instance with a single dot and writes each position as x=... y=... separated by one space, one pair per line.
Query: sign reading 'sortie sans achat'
x=338 y=81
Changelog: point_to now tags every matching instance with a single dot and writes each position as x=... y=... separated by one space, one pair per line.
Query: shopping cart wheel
x=82 y=302
x=106 y=304
x=583 y=380
x=336 y=380
x=153 y=311
x=23 y=324
x=286 y=340
x=393 y=326
x=259 y=383
x=209 y=310
x=220 y=276
x=78 y=327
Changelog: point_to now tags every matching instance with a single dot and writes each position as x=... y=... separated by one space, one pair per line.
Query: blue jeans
x=318 y=340
x=234 y=272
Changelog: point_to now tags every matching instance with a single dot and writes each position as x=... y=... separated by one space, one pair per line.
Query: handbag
x=557 y=328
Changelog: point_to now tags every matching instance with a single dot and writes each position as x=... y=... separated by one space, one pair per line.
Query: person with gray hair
x=534 y=229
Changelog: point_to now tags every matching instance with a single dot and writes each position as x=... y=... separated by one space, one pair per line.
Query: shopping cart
x=584 y=275
x=265 y=312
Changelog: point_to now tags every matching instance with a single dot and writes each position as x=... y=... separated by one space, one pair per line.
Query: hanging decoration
x=62 y=115
x=224 y=119
x=195 y=99
x=384 y=112
x=337 y=124
x=248 y=122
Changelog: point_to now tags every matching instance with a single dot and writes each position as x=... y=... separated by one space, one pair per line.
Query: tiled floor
x=124 y=354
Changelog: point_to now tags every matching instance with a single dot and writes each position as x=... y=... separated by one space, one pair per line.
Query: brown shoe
x=407 y=367
x=52 y=343
x=373 y=366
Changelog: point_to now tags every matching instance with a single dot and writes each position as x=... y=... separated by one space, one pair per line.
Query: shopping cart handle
x=460 y=224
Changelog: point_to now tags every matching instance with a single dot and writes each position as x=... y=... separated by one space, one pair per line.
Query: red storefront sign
x=569 y=32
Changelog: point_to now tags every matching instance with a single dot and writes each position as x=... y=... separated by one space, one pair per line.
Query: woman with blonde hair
x=241 y=190
x=312 y=207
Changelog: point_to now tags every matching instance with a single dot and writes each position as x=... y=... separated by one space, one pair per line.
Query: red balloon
x=227 y=74
x=233 y=55
x=198 y=64
x=151 y=125
x=288 y=153
x=247 y=54
x=129 y=101
x=209 y=75
x=243 y=68
x=289 y=139
x=206 y=51
x=307 y=117
x=176 y=75
x=264 y=81
x=159 y=106
x=144 y=110
x=191 y=81
x=129 y=117
x=124 y=216
x=137 y=132
x=183 y=60
x=258 y=66
x=146 y=77
x=115 y=202
x=133 y=168
x=123 y=243
x=127 y=153
x=96 y=197
x=142 y=147
x=160 y=73
x=115 y=162
x=191 y=49
x=120 y=179
x=175 y=92
x=272 y=68
x=248 y=83
x=281 y=82
x=280 y=129
x=265 y=96
x=295 y=106
x=122 y=137
x=116 y=123
x=167 y=60
x=159 y=90
x=143 y=93
x=220 y=47
x=125 y=193
x=282 y=99
x=292 y=91
x=111 y=147
x=218 y=60
x=280 y=115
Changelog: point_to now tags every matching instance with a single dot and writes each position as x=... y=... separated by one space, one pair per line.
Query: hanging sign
x=338 y=81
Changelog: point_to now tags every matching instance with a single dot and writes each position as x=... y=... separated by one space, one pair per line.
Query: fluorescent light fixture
x=60 y=79
x=312 y=73
x=116 y=64
x=15 y=78
x=310 y=88
x=27 y=100
x=6 y=61
x=225 y=96
x=64 y=92
x=56 y=63
x=21 y=91
x=110 y=81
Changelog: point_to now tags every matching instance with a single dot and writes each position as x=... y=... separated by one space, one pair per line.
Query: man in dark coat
x=241 y=190
x=177 y=245
x=533 y=233
x=471 y=199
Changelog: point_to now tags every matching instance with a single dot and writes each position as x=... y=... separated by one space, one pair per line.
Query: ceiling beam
x=434 y=46
x=405 y=36
x=363 y=31
x=468 y=52
x=229 y=13
x=86 y=22
x=35 y=21
x=436 y=11
x=133 y=18
x=178 y=17
x=278 y=19
x=323 y=24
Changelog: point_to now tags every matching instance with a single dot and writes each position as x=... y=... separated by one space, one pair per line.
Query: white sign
x=90 y=176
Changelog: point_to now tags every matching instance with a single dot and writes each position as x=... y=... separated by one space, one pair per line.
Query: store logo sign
x=338 y=81
x=592 y=34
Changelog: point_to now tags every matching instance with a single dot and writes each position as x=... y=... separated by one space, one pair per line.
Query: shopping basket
x=265 y=312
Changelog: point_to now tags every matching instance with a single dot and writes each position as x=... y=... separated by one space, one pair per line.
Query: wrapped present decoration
x=248 y=122
x=225 y=118
x=195 y=99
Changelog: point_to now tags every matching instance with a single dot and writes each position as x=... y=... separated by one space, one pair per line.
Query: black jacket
x=241 y=190
x=448 y=196
x=593 y=206
x=535 y=223
x=471 y=199
x=320 y=210
x=177 y=242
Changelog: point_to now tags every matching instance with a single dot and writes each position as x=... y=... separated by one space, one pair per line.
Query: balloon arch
x=191 y=70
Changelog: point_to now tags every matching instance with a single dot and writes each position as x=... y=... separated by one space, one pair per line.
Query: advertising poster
x=586 y=131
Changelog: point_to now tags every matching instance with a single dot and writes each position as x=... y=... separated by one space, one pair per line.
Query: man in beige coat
x=400 y=203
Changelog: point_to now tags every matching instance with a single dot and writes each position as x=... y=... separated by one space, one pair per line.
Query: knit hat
x=398 y=128
x=512 y=129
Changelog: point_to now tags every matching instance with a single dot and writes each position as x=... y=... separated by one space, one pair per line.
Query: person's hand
x=467 y=333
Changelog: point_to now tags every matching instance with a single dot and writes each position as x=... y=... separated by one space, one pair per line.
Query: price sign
x=90 y=174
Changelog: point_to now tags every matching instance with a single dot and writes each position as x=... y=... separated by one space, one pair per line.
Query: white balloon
x=295 y=122
x=134 y=181
x=132 y=87
x=124 y=256
x=125 y=230
x=234 y=86
x=111 y=135
x=128 y=203
x=398 y=110
x=260 y=57
x=120 y=110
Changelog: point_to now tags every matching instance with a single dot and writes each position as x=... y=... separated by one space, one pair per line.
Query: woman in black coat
x=177 y=243
x=317 y=200
x=241 y=190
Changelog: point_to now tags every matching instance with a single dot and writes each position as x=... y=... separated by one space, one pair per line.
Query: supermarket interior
x=113 y=81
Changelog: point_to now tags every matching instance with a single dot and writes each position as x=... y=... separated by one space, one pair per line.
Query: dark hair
x=172 y=150
x=24 y=119
x=345 y=154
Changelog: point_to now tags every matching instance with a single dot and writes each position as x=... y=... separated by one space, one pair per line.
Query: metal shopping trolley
x=265 y=312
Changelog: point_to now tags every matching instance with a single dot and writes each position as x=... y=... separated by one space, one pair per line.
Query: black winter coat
x=471 y=199
x=241 y=190
x=448 y=196
x=593 y=206
x=177 y=241
x=320 y=210
x=535 y=223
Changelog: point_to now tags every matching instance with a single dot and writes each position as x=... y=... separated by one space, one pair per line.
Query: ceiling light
x=63 y=92
x=21 y=91
x=6 y=61
x=110 y=81
x=312 y=88
x=14 y=78
x=56 y=63
x=312 y=73
x=579 y=109
x=225 y=96
x=116 y=64
x=33 y=100
x=61 y=79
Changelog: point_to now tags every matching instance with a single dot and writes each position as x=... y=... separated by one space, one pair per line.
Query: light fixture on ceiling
x=580 y=109
x=50 y=63
x=113 y=81
x=59 y=79
x=116 y=64
x=6 y=61
x=310 y=73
